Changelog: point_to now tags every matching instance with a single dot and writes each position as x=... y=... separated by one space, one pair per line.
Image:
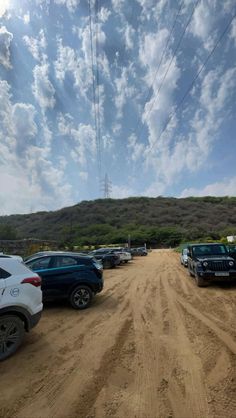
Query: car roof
x=14 y=266
x=206 y=244
x=56 y=253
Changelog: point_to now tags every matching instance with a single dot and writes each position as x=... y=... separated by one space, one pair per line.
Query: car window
x=4 y=274
x=63 y=261
x=40 y=263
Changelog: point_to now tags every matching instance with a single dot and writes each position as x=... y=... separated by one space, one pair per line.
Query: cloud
x=233 y=32
x=175 y=155
x=29 y=177
x=136 y=149
x=227 y=187
x=203 y=21
x=26 y=18
x=124 y=90
x=36 y=46
x=121 y=192
x=42 y=88
x=82 y=147
x=85 y=145
x=160 y=103
x=129 y=36
x=70 y=4
x=104 y=14
x=24 y=127
x=5 y=43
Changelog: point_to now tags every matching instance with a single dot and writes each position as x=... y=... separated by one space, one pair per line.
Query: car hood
x=215 y=258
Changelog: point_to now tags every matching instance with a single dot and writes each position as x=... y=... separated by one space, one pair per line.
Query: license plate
x=222 y=273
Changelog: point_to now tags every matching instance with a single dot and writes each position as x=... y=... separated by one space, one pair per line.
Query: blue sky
x=54 y=151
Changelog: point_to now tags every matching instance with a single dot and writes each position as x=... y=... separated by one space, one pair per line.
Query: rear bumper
x=33 y=320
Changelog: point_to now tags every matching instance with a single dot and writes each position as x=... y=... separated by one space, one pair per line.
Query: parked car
x=208 y=262
x=232 y=251
x=184 y=257
x=17 y=257
x=107 y=259
x=20 y=304
x=124 y=255
x=141 y=251
x=68 y=275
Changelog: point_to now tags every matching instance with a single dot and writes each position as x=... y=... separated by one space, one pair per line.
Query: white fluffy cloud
x=70 y=4
x=29 y=178
x=37 y=45
x=43 y=89
x=85 y=145
x=227 y=187
x=161 y=101
x=172 y=156
x=124 y=90
x=83 y=148
x=203 y=21
x=5 y=43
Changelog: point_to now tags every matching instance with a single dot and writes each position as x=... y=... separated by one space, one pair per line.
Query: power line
x=98 y=95
x=93 y=84
x=148 y=95
x=172 y=58
x=195 y=79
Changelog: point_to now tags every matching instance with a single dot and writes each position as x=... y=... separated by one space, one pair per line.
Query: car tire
x=200 y=281
x=190 y=273
x=81 y=297
x=107 y=264
x=12 y=333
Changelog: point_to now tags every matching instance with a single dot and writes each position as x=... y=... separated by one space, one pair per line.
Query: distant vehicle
x=107 y=259
x=184 y=257
x=232 y=251
x=20 y=304
x=68 y=275
x=140 y=251
x=124 y=255
x=208 y=262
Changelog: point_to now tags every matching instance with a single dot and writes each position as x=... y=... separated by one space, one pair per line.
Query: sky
x=141 y=90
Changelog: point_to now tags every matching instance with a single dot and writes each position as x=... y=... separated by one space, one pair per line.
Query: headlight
x=205 y=263
x=231 y=263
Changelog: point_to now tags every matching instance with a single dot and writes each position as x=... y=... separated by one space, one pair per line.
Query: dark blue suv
x=67 y=275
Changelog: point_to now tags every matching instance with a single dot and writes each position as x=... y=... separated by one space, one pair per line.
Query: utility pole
x=129 y=241
x=106 y=187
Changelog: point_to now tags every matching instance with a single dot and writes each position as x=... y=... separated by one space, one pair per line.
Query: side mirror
x=188 y=253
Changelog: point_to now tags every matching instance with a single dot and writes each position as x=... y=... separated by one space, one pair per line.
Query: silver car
x=184 y=257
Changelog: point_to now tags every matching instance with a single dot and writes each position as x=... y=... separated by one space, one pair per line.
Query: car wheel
x=81 y=297
x=190 y=273
x=12 y=332
x=200 y=282
x=107 y=264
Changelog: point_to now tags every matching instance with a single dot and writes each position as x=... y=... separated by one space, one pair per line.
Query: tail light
x=35 y=281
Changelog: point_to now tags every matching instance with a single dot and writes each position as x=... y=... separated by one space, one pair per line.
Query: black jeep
x=210 y=262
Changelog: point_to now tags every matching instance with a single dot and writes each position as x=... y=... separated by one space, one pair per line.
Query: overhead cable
x=195 y=78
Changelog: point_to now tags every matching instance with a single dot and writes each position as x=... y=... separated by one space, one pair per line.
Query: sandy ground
x=152 y=345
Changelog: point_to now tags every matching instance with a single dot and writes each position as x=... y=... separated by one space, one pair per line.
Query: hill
x=157 y=221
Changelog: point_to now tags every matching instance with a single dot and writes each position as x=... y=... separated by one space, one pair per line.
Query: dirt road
x=152 y=345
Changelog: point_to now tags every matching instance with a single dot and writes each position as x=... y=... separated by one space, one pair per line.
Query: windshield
x=207 y=250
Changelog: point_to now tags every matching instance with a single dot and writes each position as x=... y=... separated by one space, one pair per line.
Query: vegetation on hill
x=157 y=221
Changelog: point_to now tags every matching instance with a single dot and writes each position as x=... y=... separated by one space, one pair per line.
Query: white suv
x=20 y=304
